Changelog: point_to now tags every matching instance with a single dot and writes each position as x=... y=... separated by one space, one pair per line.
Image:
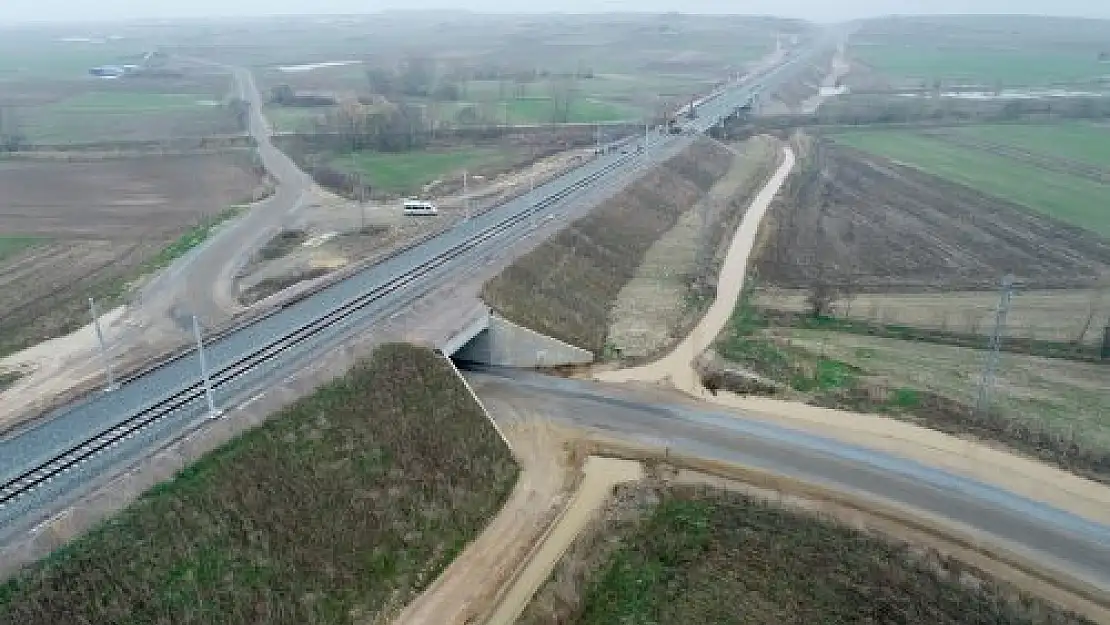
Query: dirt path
x=600 y=476
x=677 y=368
x=465 y=590
x=651 y=309
x=1023 y=476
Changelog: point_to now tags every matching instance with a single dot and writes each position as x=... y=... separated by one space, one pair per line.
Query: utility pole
x=1105 y=355
x=107 y=358
x=986 y=383
x=213 y=413
x=466 y=195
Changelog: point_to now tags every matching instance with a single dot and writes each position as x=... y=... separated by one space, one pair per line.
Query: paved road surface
x=1051 y=536
x=202 y=283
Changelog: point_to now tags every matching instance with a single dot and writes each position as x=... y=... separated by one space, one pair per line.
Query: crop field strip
x=1064 y=196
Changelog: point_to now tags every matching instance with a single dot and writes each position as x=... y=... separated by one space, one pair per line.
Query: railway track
x=72 y=458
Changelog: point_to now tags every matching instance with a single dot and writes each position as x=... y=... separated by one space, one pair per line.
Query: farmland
x=94 y=118
x=982 y=51
x=96 y=225
x=1066 y=317
x=1050 y=408
x=866 y=223
x=565 y=69
x=876 y=289
x=407 y=172
x=699 y=556
x=339 y=509
x=1088 y=144
x=1069 y=198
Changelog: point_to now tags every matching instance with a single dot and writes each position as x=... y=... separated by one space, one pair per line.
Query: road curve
x=1059 y=540
x=202 y=283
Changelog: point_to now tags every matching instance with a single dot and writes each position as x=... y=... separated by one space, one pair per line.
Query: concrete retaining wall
x=505 y=344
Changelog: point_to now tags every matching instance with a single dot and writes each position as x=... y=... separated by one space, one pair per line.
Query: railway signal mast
x=213 y=412
x=111 y=384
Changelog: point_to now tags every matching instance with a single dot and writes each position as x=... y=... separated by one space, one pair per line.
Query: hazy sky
x=821 y=10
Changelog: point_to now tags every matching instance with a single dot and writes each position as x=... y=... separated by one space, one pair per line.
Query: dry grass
x=866 y=223
x=1050 y=408
x=1063 y=396
x=566 y=287
x=1059 y=316
x=100 y=224
x=675 y=281
x=338 y=510
x=698 y=555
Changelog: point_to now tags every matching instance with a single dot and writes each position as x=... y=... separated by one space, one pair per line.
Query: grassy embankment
x=567 y=287
x=338 y=510
x=674 y=285
x=700 y=556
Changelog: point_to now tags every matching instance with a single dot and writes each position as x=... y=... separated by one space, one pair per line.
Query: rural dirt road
x=159 y=320
x=677 y=368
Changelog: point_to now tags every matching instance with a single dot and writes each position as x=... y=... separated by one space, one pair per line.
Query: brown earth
x=859 y=221
x=567 y=286
x=99 y=221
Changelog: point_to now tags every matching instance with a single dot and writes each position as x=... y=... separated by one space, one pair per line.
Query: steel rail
x=69 y=459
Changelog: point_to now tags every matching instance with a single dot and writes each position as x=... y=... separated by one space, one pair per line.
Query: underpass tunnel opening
x=493 y=342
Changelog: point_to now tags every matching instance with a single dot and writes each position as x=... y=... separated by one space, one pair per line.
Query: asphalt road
x=1054 y=537
x=26 y=448
x=202 y=283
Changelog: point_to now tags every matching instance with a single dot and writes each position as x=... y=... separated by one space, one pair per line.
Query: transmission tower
x=990 y=368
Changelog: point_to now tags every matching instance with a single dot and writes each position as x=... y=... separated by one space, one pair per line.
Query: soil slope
x=566 y=287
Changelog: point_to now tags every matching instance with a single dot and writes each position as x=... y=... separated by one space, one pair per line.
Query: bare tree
x=821 y=298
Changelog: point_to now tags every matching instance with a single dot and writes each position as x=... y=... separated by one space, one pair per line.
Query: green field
x=700 y=556
x=409 y=171
x=126 y=115
x=1055 y=409
x=12 y=245
x=293 y=118
x=1089 y=143
x=95 y=102
x=33 y=57
x=1072 y=199
x=986 y=67
x=540 y=111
